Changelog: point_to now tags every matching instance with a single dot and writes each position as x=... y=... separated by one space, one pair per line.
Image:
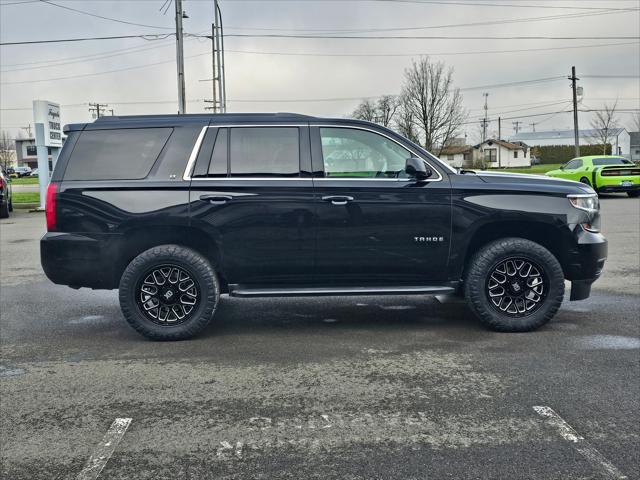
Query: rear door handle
x=216 y=199
x=338 y=199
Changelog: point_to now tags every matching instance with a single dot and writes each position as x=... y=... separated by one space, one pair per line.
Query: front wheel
x=169 y=292
x=634 y=194
x=4 y=210
x=514 y=285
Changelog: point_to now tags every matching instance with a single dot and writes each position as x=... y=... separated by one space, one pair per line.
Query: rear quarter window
x=118 y=154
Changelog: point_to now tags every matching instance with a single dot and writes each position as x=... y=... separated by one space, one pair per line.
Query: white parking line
x=581 y=445
x=105 y=449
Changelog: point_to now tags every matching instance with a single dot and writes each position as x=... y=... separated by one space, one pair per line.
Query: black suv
x=176 y=210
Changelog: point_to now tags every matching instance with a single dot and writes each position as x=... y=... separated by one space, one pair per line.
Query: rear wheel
x=514 y=285
x=634 y=194
x=169 y=292
x=585 y=180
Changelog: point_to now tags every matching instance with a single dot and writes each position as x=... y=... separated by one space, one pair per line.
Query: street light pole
x=182 y=108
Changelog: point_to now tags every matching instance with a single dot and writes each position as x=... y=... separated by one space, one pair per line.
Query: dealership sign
x=48 y=113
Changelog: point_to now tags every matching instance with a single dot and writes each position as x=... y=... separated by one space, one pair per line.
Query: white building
x=619 y=139
x=458 y=155
x=502 y=154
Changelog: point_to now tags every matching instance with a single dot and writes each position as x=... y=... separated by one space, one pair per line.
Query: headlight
x=587 y=201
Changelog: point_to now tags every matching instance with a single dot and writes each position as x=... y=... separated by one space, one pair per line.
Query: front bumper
x=585 y=261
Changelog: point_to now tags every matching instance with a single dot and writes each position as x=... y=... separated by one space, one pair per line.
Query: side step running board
x=242 y=291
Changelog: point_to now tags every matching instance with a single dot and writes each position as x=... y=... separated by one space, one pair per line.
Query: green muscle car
x=604 y=173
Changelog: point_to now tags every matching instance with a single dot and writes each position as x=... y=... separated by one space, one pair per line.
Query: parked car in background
x=34 y=172
x=6 y=200
x=22 y=171
x=174 y=210
x=604 y=173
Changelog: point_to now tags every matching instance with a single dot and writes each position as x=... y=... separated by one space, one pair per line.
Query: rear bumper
x=77 y=260
x=618 y=188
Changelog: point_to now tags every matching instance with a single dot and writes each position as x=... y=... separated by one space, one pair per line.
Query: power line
x=456 y=3
x=453 y=25
x=83 y=12
x=318 y=54
x=151 y=36
x=134 y=67
x=424 y=37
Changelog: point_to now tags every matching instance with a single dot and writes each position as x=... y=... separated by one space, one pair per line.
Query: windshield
x=598 y=162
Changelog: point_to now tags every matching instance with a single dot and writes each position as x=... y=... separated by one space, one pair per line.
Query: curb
x=26 y=206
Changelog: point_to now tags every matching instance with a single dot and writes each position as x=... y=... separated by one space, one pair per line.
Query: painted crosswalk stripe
x=105 y=449
x=580 y=444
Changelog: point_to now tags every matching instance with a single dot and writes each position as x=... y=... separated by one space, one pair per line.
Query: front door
x=251 y=191
x=375 y=225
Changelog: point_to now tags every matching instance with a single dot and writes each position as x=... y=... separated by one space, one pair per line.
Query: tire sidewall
x=182 y=257
x=494 y=253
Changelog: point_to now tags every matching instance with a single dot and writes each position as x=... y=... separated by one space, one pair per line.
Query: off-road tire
x=190 y=260
x=477 y=275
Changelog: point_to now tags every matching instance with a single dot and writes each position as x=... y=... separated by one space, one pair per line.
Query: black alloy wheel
x=168 y=295
x=516 y=287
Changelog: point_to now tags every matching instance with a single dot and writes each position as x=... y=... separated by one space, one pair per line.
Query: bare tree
x=7 y=150
x=386 y=108
x=636 y=123
x=365 y=111
x=603 y=124
x=381 y=111
x=436 y=106
x=405 y=121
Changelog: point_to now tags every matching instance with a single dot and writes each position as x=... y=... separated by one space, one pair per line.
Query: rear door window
x=119 y=154
x=264 y=151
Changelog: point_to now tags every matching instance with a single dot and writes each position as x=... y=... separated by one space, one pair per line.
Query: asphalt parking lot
x=328 y=388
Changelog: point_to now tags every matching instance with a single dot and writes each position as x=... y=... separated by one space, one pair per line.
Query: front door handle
x=338 y=199
x=216 y=199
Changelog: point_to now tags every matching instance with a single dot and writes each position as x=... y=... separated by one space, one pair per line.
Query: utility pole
x=182 y=108
x=28 y=129
x=98 y=108
x=576 y=132
x=533 y=126
x=485 y=122
x=218 y=87
x=516 y=126
x=214 y=62
x=499 y=138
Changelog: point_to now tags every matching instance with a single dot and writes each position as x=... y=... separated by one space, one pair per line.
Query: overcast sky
x=270 y=82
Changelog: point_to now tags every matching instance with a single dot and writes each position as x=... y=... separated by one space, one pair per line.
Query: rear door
x=376 y=226
x=251 y=189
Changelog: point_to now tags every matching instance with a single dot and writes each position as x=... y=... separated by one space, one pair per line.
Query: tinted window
x=573 y=164
x=265 y=151
x=611 y=161
x=204 y=155
x=349 y=152
x=218 y=165
x=116 y=154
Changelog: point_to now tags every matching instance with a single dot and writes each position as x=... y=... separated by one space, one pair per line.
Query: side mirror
x=417 y=169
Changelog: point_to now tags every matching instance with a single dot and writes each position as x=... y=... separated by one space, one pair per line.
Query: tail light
x=50 y=206
x=615 y=173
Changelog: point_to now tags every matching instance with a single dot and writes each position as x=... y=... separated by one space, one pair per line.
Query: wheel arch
x=545 y=234
x=139 y=239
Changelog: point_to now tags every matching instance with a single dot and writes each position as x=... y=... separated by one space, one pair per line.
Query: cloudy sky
x=322 y=76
